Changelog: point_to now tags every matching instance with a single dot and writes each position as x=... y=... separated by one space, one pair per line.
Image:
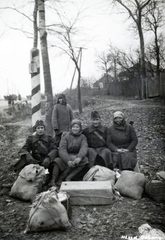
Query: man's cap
x=95 y=114
x=39 y=123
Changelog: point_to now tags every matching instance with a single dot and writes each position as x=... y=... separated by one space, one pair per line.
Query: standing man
x=62 y=116
x=96 y=134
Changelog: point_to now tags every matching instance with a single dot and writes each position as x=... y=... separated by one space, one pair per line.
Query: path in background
x=3 y=104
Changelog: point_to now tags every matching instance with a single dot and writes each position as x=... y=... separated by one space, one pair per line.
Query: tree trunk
x=79 y=81
x=46 y=68
x=142 y=61
x=136 y=15
x=79 y=91
x=35 y=28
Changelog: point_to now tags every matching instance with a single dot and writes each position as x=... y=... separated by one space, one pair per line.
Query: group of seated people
x=80 y=149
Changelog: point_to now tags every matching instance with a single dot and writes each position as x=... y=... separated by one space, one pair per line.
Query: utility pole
x=78 y=56
x=74 y=71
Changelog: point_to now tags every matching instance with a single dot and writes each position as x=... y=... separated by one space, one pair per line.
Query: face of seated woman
x=76 y=129
x=118 y=120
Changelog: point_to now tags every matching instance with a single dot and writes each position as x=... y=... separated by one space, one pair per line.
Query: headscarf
x=122 y=126
x=118 y=114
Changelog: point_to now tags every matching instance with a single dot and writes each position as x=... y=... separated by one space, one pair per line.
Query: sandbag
x=29 y=182
x=47 y=213
x=99 y=173
x=161 y=175
x=131 y=184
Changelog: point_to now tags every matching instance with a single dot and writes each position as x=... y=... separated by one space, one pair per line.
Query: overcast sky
x=98 y=26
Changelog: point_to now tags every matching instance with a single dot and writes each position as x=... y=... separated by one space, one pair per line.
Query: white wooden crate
x=89 y=192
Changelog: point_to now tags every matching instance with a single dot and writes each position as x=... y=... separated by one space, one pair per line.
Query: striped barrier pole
x=34 y=68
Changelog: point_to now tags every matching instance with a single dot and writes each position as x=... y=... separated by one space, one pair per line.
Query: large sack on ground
x=47 y=213
x=131 y=184
x=99 y=173
x=29 y=182
x=161 y=175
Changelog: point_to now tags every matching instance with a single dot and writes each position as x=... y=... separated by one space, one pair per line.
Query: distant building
x=104 y=81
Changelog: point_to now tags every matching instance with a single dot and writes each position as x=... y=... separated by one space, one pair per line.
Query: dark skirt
x=124 y=161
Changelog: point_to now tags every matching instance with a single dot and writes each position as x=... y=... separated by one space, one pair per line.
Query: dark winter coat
x=37 y=148
x=62 y=115
x=72 y=146
x=97 y=145
x=124 y=137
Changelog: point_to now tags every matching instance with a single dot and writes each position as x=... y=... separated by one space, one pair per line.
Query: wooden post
x=34 y=68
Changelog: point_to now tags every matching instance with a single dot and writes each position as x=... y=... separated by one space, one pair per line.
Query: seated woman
x=72 y=151
x=122 y=141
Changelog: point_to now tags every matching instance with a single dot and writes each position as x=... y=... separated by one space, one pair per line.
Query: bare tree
x=154 y=21
x=136 y=10
x=103 y=62
x=124 y=61
x=66 y=33
x=39 y=5
x=46 y=66
x=117 y=60
x=114 y=60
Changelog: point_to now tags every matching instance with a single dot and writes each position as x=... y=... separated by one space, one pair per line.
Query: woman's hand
x=122 y=150
x=71 y=164
x=77 y=161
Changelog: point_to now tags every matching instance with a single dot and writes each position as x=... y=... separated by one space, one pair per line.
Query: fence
x=162 y=84
x=153 y=87
x=125 y=88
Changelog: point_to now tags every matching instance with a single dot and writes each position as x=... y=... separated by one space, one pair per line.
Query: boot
x=55 y=175
x=74 y=172
x=63 y=175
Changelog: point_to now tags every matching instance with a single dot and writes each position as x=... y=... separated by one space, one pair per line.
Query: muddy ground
x=116 y=221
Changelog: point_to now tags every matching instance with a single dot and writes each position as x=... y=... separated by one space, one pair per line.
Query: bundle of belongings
x=128 y=183
x=29 y=182
x=131 y=184
x=48 y=212
x=155 y=187
x=99 y=173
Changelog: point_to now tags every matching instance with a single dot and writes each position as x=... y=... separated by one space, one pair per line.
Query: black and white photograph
x=82 y=119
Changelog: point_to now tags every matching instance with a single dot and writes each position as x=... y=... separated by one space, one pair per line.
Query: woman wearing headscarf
x=62 y=115
x=73 y=152
x=122 y=141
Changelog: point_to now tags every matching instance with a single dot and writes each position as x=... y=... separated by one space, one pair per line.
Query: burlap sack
x=29 y=182
x=47 y=213
x=161 y=175
x=131 y=184
x=99 y=173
